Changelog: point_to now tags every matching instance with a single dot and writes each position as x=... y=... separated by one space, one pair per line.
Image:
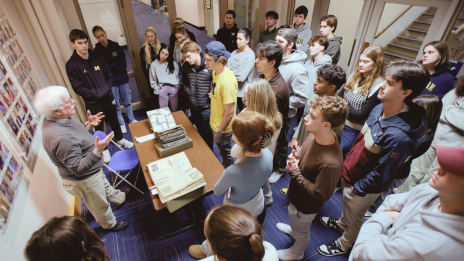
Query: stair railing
x=386 y=28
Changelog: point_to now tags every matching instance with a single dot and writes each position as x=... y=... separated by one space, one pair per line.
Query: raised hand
x=94 y=120
x=100 y=145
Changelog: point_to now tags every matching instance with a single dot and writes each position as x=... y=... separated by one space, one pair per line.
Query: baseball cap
x=216 y=49
x=451 y=159
x=288 y=33
x=179 y=20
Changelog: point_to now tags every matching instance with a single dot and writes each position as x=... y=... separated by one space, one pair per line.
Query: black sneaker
x=331 y=249
x=332 y=224
x=120 y=225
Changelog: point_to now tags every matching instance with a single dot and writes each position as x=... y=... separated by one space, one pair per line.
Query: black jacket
x=196 y=82
x=116 y=59
x=228 y=37
x=172 y=39
x=90 y=78
x=145 y=66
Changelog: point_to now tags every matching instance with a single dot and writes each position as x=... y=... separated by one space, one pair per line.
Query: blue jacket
x=116 y=59
x=382 y=148
x=441 y=83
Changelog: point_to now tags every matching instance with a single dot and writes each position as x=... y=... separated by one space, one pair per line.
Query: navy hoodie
x=441 y=82
x=228 y=37
x=115 y=59
x=90 y=78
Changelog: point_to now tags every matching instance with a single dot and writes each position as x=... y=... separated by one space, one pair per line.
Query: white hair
x=48 y=99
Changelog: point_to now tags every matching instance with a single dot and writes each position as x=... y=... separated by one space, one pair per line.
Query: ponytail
x=257 y=248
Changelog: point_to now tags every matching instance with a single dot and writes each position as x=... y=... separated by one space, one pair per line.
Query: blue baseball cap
x=216 y=49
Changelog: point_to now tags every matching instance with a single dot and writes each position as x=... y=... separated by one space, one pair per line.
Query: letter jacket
x=382 y=148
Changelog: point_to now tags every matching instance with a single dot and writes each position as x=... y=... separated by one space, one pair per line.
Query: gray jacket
x=70 y=146
x=334 y=49
x=296 y=76
x=313 y=67
x=450 y=129
x=241 y=64
x=304 y=34
x=420 y=232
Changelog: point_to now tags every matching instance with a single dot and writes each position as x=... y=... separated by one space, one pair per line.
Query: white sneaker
x=286 y=229
x=106 y=156
x=125 y=143
x=134 y=121
x=275 y=177
x=123 y=128
x=287 y=255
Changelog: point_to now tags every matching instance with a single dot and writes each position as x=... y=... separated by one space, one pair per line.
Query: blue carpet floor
x=160 y=235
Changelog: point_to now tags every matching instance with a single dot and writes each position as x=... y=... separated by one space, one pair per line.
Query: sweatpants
x=354 y=208
x=168 y=96
x=300 y=223
x=97 y=194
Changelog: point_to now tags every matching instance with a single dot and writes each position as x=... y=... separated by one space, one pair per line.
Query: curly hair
x=334 y=109
x=334 y=74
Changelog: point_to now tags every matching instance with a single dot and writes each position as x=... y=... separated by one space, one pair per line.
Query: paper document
x=180 y=185
x=170 y=118
x=145 y=138
x=166 y=168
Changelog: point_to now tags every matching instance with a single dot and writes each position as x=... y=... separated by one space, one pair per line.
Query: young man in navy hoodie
x=386 y=143
x=91 y=78
x=116 y=59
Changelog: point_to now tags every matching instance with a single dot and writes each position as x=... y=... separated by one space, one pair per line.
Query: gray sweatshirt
x=450 y=129
x=70 y=146
x=304 y=34
x=293 y=70
x=420 y=232
x=313 y=67
x=159 y=75
x=334 y=49
x=241 y=64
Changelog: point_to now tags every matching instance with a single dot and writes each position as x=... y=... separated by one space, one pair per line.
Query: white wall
x=191 y=11
x=218 y=21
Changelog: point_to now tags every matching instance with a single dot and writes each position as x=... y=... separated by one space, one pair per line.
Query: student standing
x=227 y=34
x=388 y=139
x=304 y=33
x=164 y=78
x=241 y=63
x=242 y=182
x=116 y=59
x=91 y=78
x=179 y=22
x=328 y=27
x=436 y=62
x=223 y=94
x=148 y=53
x=361 y=92
x=317 y=46
x=270 y=33
x=314 y=172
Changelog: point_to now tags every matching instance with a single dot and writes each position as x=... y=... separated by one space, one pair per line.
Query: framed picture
x=208 y=4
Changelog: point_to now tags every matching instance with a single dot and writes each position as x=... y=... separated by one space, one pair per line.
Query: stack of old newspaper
x=174 y=176
x=172 y=137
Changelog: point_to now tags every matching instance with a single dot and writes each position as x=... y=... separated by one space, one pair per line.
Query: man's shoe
x=331 y=249
x=287 y=255
x=275 y=177
x=106 y=156
x=284 y=192
x=269 y=202
x=123 y=128
x=195 y=252
x=368 y=215
x=120 y=225
x=286 y=229
x=125 y=143
x=332 y=224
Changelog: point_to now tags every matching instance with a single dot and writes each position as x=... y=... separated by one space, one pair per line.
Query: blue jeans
x=347 y=139
x=126 y=100
x=201 y=120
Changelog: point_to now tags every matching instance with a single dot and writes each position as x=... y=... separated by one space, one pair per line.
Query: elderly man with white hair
x=78 y=156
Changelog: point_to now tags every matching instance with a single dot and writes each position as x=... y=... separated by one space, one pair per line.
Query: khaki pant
x=300 y=223
x=96 y=192
x=354 y=208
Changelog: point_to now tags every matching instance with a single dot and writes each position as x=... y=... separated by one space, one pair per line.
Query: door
x=402 y=27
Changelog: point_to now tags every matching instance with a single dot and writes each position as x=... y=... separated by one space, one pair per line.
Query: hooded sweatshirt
x=334 y=49
x=441 y=82
x=228 y=37
x=312 y=67
x=241 y=64
x=293 y=70
x=304 y=34
x=450 y=129
x=420 y=232
x=116 y=59
x=90 y=78
x=382 y=148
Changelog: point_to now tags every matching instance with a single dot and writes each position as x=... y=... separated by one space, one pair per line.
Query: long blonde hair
x=261 y=98
x=376 y=54
x=147 y=45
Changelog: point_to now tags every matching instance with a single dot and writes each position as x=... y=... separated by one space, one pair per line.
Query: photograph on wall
x=4 y=98
x=12 y=125
x=32 y=121
x=26 y=145
x=9 y=91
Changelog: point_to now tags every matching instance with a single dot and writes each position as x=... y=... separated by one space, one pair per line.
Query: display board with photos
x=17 y=88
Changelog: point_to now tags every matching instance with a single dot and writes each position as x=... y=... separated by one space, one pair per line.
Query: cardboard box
x=171 y=151
x=179 y=202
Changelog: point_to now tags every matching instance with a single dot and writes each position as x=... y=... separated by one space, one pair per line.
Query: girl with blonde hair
x=361 y=92
x=148 y=53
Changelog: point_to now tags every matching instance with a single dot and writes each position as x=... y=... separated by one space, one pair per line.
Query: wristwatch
x=219 y=131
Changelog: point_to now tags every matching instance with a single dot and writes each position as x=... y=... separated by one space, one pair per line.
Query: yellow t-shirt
x=223 y=91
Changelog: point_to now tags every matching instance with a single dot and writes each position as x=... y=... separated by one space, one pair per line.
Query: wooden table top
x=200 y=156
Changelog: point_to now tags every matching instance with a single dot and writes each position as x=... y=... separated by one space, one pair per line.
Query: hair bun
x=266 y=140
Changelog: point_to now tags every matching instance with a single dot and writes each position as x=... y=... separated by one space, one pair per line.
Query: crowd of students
x=389 y=136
